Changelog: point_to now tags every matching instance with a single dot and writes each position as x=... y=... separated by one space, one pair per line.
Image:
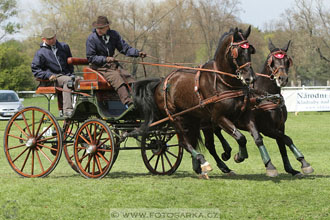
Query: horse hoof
x=231 y=173
x=204 y=176
x=206 y=167
x=225 y=156
x=271 y=173
x=307 y=170
x=237 y=159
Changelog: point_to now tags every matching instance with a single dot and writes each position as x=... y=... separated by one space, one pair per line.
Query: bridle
x=279 y=54
x=233 y=49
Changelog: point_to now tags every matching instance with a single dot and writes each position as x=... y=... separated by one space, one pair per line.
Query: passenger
x=100 y=49
x=50 y=63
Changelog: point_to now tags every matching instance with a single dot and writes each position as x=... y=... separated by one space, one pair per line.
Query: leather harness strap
x=214 y=99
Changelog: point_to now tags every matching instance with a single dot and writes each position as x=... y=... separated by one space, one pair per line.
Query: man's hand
x=52 y=78
x=110 y=59
x=142 y=54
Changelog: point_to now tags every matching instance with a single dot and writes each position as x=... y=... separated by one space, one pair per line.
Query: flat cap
x=48 y=33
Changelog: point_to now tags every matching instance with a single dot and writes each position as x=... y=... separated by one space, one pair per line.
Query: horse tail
x=193 y=134
x=143 y=98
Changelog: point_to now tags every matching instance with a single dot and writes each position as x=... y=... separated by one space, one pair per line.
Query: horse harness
x=278 y=54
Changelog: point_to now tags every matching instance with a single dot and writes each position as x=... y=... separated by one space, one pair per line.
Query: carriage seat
x=48 y=89
x=92 y=79
x=45 y=87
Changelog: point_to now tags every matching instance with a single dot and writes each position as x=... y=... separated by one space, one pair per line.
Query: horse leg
x=286 y=162
x=277 y=134
x=226 y=147
x=209 y=144
x=305 y=166
x=205 y=167
x=270 y=168
x=230 y=128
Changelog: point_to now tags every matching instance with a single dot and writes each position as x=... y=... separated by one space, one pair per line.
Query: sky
x=255 y=12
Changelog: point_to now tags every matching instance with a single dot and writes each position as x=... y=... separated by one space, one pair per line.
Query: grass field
x=64 y=194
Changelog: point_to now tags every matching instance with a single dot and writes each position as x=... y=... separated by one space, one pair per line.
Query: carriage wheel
x=161 y=152
x=33 y=142
x=69 y=131
x=94 y=149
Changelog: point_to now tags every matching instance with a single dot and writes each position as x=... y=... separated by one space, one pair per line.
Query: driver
x=100 y=50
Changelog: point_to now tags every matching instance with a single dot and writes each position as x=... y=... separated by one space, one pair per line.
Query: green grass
x=64 y=194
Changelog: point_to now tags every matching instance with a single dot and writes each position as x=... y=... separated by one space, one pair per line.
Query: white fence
x=307 y=98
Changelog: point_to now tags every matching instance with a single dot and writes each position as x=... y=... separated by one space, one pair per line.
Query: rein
x=180 y=67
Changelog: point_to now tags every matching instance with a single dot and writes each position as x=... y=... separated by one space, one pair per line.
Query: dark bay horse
x=218 y=97
x=271 y=119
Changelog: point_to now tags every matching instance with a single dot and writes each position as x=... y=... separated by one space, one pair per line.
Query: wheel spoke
x=42 y=168
x=104 y=150
x=163 y=166
x=168 y=160
x=100 y=135
x=46 y=139
x=83 y=157
x=98 y=153
x=89 y=133
x=93 y=171
x=11 y=135
x=32 y=162
x=40 y=123
x=88 y=162
x=45 y=146
x=151 y=158
x=19 y=127
x=26 y=158
x=169 y=152
x=44 y=131
x=102 y=142
x=18 y=146
x=26 y=124
x=156 y=164
x=20 y=154
x=99 y=164
x=33 y=123
x=45 y=155
x=82 y=137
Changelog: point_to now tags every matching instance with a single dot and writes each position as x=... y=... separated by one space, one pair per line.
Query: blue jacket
x=45 y=63
x=97 y=50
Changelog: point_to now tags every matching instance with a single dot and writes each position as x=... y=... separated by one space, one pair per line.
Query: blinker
x=245 y=45
x=279 y=55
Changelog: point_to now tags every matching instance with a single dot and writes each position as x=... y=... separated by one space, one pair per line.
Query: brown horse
x=216 y=97
x=270 y=119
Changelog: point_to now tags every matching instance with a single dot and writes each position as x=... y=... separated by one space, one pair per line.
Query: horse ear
x=235 y=35
x=271 y=46
x=285 y=48
x=246 y=34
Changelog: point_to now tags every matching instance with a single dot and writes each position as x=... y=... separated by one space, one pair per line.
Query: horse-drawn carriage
x=221 y=93
x=91 y=138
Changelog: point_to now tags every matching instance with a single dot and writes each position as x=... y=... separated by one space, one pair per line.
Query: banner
x=307 y=100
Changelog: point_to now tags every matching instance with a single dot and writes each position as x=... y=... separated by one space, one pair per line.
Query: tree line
x=170 y=31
